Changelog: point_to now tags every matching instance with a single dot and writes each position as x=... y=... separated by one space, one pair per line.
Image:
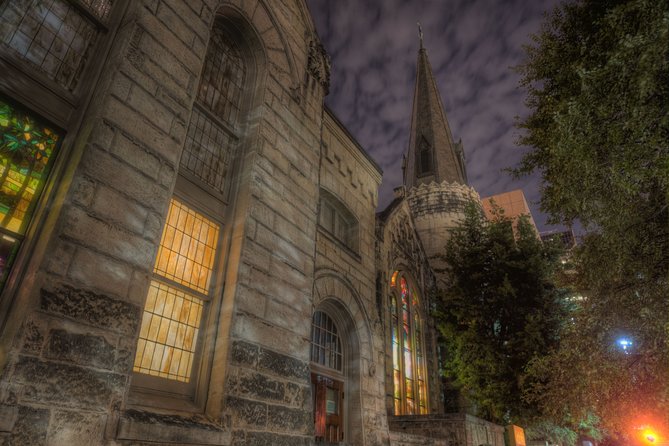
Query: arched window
x=409 y=377
x=327 y=379
x=186 y=276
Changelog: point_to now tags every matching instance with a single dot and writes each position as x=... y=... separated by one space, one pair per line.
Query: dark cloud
x=472 y=44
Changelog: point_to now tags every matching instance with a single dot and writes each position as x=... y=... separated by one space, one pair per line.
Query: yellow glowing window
x=187 y=248
x=177 y=295
x=169 y=332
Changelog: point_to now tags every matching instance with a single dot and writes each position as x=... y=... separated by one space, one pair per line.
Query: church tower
x=435 y=176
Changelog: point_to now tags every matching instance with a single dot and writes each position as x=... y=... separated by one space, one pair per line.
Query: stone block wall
x=67 y=374
x=344 y=284
x=454 y=429
x=68 y=368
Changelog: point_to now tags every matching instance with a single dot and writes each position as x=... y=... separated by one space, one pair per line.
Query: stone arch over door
x=337 y=298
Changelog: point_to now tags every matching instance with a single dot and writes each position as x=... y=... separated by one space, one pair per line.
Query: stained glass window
x=27 y=148
x=409 y=377
x=326 y=348
x=177 y=295
x=53 y=35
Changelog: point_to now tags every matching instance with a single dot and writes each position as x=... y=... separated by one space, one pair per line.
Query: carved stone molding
x=318 y=64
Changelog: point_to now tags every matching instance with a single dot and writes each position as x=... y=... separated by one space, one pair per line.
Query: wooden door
x=328 y=409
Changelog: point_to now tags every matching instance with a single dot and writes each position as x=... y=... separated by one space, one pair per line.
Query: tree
x=597 y=77
x=500 y=311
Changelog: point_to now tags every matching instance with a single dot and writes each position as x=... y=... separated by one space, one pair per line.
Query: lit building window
x=409 y=377
x=27 y=148
x=178 y=294
x=55 y=36
x=172 y=334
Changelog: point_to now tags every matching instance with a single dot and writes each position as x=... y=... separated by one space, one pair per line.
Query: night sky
x=471 y=44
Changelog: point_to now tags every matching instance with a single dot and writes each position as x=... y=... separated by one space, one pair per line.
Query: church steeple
x=433 y=156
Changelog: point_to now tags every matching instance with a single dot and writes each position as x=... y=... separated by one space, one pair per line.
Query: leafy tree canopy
x=597 y=77
x=500 y=311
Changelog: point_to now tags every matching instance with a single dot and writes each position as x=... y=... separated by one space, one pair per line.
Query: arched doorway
x=328 y=379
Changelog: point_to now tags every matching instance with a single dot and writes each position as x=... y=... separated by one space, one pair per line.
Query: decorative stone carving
x=318 y=64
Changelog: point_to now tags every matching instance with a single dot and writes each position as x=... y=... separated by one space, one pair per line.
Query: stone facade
x=75 y=301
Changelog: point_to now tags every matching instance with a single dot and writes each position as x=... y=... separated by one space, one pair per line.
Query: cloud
x=471 y=45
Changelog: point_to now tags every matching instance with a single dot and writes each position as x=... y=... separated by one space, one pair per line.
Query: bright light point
x=650 y=438
x=624 y=343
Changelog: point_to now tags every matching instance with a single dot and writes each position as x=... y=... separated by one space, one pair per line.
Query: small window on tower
x=424 y=157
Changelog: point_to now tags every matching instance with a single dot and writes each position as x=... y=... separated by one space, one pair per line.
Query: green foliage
x=597 y=78
x=500 y=311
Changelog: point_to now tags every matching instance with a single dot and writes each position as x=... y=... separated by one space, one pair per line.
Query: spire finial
x=420 y=35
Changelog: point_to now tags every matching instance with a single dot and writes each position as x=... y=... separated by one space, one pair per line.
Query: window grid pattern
x=208 y=151
x=338 y=221
x=222 y=79
x=409 y=383
x=173 y=313
x=52 y=35
x=168 y=336
x=187 y=248
x=397 y=372
x=326 y=348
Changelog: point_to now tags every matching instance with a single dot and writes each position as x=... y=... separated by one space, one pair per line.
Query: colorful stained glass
x=410 y=388
x=403 y=288
x=396 y=349
x=408 y=368
x=397 y=379
x=422 y=397
x=411 y=406
x=393 y=279
x=27 y=148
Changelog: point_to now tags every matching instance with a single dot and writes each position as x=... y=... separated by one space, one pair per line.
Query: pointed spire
x=433 y=156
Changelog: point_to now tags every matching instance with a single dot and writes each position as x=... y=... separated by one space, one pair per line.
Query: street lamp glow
x=625 y=344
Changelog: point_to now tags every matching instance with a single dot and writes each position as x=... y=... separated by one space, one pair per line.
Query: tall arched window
x=187 y=274
x=409 y=377
x=327 y=379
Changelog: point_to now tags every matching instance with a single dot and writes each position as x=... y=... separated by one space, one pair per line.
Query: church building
x=190 y=252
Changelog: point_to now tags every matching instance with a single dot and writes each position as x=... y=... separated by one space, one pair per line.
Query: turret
x=435 y=176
